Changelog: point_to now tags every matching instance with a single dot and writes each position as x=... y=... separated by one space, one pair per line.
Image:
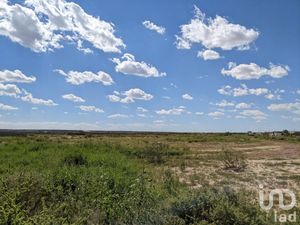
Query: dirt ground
x=272 y=164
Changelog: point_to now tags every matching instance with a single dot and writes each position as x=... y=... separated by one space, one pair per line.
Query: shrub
x=169 y=181
x=66 y=183
x=21 y=198
x=154 y=152
x=36 y=148
x=233 y=160
x=222 y=207
x=182 y=165
x=75 y=160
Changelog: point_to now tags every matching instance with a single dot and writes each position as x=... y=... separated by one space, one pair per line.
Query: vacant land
x=143 y=178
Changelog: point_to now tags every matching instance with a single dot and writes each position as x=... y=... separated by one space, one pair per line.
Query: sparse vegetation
x=127 y=179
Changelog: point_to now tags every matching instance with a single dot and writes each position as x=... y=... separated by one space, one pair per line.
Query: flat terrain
x=142 y=178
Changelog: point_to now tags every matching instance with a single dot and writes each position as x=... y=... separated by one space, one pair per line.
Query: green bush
x=154 y=152
x=170 y=183
x=221 y=207
x=75 y=160
x=157 y=152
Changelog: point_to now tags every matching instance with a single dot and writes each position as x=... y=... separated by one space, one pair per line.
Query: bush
x=75 y=160
x=155 y=152
x=36 y=148
x=22 y=196
x=222 y=207
x=232 y=160
x=170 y=182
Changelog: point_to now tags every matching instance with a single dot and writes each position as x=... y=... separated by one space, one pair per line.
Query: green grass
x=48 y=179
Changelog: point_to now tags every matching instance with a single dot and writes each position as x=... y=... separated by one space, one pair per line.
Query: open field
x=143 y=178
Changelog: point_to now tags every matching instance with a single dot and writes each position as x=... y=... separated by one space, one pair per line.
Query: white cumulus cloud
x=83 y=49
x=209 y=54
x=7 y=107
x=199 y=113
x=254 y=71
x=77 y=78
x=254 y=114
x=290 y=107
x=243 y=105
x=12 y=90
x=38 y=101
x=174 y=111
x=187 y=97
x=73 y=98
x=90 y=108
x=215 y=32
x=244 y=90
x=42 y=25
x=224 y=103
x=135 y=94
x=141 y=109
x=130 y=96
x=216 y=114
x=272 y=96
x=128 y=65
x=9 y=90
x=15 y=76
x=113 y=98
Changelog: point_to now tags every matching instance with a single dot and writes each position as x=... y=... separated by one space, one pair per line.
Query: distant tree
x=285 y=132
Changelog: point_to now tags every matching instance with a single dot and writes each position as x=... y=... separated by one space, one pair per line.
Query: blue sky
x=150 y=65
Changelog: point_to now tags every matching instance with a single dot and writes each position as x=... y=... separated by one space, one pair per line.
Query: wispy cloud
x=118 y=115
x=90 y=108
x=174 y=111
x=151 y=26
